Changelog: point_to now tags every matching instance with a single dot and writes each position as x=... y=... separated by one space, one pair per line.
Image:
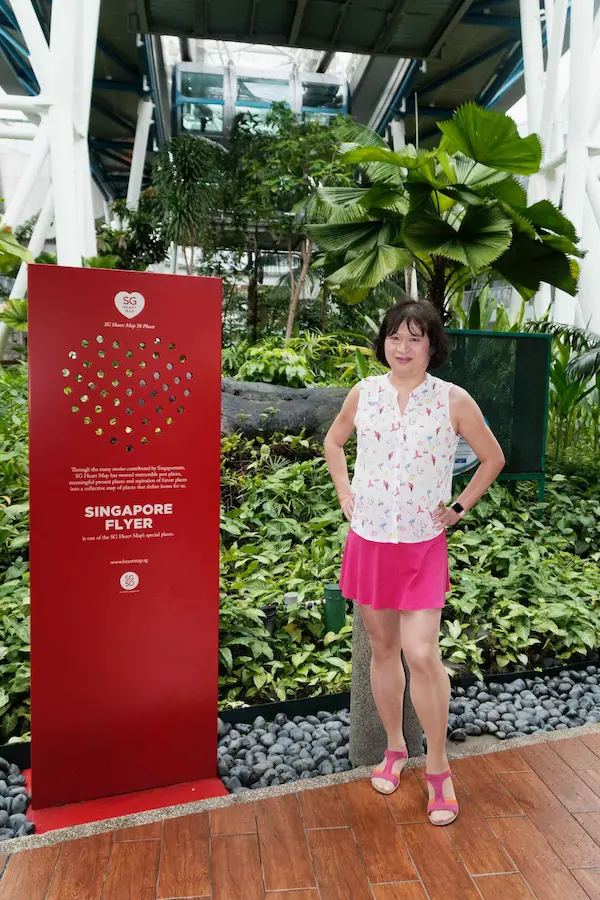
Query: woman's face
x=407 y=354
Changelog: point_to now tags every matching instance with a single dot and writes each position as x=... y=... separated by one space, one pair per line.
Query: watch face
x=458 y=508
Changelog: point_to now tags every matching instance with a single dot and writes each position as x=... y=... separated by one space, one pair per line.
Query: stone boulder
x=253 y=407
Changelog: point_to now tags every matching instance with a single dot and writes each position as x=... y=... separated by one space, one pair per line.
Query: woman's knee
x=423 y=659
x=384 y=649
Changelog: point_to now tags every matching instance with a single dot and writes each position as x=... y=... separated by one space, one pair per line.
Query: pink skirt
x=395 y=576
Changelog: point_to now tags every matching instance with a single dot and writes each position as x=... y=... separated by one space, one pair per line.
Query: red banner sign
x=125 y=409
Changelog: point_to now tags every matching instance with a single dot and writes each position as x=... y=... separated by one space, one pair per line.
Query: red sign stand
x=125 y=423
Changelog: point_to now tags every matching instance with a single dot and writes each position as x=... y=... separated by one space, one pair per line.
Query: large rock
x=252 y=407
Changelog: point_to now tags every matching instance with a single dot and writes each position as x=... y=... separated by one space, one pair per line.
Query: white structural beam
x=37 y=158
x=533 y=61
x=88 y=14
x=551 y=96
x=63 y=49
x=578 y=135
x=18 y=132
x=39 y=103
x=138 y=159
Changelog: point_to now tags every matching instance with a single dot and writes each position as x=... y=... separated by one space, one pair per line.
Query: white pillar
x=36 y=245
x=88 y=14
x=550 y=101
x=533 y=61
x=33 y=167
x=138 y=158
x=63 y=41
x=582 y=25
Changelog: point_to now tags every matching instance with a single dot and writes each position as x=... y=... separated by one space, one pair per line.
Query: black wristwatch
x=458 y=509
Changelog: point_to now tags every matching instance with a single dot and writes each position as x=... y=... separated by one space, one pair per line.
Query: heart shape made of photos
x=127 y=391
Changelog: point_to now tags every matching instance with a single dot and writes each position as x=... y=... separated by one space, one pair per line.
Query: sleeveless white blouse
x=404 y=462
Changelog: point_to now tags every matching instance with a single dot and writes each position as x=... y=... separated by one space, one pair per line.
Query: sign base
x=72 y=814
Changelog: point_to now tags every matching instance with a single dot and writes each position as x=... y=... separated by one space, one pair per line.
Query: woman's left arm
x=468 y=421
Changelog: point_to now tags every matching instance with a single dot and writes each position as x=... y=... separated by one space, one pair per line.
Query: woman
x=395 y=562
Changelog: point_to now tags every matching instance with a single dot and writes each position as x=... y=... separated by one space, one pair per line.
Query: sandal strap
x=391 y=757
x=439 y=802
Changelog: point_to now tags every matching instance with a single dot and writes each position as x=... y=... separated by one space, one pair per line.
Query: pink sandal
x=386 y=774
x=439 y=804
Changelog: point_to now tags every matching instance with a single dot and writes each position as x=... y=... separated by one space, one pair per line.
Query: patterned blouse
x=404 y=462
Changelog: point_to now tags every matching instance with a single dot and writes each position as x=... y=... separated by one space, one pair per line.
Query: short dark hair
x=419 y=314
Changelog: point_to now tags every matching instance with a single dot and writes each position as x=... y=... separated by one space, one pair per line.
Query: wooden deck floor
x=529 y=826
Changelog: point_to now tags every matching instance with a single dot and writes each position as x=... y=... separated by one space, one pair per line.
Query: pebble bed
x=14 y=801
x=526 y=706
x=262 y=755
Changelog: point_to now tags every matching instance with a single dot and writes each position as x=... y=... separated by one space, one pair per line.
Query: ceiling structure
x=444 y=51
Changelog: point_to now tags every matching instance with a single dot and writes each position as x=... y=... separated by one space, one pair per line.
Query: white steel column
x=63 y=50
x=31 y=172
x=138 y=158
x=578 y=136
x=533 y=61
x=84 y=74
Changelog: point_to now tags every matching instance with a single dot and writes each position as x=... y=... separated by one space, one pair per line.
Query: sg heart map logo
x=129 y=305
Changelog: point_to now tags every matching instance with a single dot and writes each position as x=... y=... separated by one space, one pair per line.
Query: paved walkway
x=529 y=826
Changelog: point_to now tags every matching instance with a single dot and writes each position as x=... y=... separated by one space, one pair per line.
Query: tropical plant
x=302 y=155
x=187 y=178
x=457 y=213
x=138 y=240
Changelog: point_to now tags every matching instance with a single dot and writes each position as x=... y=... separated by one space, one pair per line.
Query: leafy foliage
x=457 y=213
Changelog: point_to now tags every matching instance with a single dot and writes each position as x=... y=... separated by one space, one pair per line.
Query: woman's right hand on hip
x=347 y=505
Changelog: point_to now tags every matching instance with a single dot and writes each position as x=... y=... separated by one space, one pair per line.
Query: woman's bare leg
x=429 y=690
x=388 y=681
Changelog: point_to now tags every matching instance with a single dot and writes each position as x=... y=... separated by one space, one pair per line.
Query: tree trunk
x=307 y=248
x=437 y=285
x=187 y=263
x=324 y=299
x=253 y=296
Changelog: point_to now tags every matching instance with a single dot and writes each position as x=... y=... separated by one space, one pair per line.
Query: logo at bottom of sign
x=129 y=581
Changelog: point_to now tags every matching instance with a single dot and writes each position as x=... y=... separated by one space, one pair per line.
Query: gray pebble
x=325 y=768
x=458 y=735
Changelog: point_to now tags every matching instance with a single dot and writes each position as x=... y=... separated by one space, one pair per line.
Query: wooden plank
x=503 y=887
x=80 y=869
x=236 y=867
x=407 y=890
x=592 y=741
x=322 y=808
x=547 y=876
x=184 y=861
x=485 y=787
x=568 y=839
x=591 y=823
x=592 y=778
x=28 y=874
x=575 y=753
x=238 y=819
x=442 y=873
x=408 y=804
x=566 y=784
x=284 y=851
x=376 y=833
x=479 y=848
x=589 y=879
x=338 y=866
x=507 y=761
x=292 y=895
x=150 y=832
x=132 y=871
